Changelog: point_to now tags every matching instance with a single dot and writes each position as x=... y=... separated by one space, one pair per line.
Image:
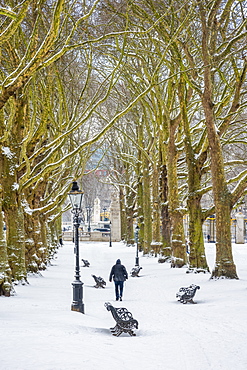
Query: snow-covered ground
x=39 y=331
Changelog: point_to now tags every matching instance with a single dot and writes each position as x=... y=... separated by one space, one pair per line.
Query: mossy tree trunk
x=178 y=239
x=44 y=247
x=140 y=213
x=139 y=195
x=6 y=285
x=32 y=234
x=156 y=244
x=197 y=255
x=52 y=240
x=147 y=211
x=35 y=256
x=15 y=236
x=165 y=217
x=12 y=200
x=5 y=272
x=224 y=265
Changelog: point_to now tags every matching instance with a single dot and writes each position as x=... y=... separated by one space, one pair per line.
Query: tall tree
x=216 y=24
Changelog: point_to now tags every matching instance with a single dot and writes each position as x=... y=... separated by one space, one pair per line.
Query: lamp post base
x=77 y=304
x=77 y=307
x=137 y=262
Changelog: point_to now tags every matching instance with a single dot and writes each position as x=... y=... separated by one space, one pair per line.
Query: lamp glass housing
x=75 y=196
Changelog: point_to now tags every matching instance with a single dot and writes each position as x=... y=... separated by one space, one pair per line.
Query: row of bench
x=125 y=323
x=134 y=272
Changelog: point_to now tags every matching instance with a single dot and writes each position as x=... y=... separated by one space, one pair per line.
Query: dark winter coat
x=118 y=272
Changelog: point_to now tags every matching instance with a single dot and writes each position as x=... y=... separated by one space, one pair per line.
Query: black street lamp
x=136 y=237
x=104 y=209
x=88 y=208
x=75 y=196
x=110 y=244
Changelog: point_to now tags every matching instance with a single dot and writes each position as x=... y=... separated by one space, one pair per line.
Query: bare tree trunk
x=12 y=201
x=31 y=232
x=178 y=239
x=147 y=212
x=197 y=256
x=165 y=217
x=140 y=197
x=44 y=251
x=15 y=237
x=5 y=272
x=36 y=254
x=156 y=244
x=140 y=213
x=224 y=266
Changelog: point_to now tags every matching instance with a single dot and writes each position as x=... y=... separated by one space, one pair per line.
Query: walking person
x=119 y=275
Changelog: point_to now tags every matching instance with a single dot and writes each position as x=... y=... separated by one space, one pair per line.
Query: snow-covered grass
x=39 y=331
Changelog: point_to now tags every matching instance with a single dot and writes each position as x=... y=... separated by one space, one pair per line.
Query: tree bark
x=178 y=239
x=147 y=212
x=165 y=217
x=224 y=265
x=12 y=201
x=197 y=255
x=156 y=244
x=6 y=286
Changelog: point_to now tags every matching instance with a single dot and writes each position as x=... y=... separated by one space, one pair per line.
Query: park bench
x=185 y=295
x=135 y=271
x=164 y=259
x=86 y=263
x=124 y=320
x=196 y=270
x=100 y=282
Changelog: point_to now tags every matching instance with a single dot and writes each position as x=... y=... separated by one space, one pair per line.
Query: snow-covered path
x=39 y=331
